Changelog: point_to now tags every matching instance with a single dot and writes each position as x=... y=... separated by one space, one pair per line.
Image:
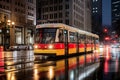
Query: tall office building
x=115 y=6
x=76 y=13
x=23 y=13
x=97 y=17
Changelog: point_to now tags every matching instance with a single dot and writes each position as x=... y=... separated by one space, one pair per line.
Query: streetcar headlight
x=50 y=46
x=35 y=46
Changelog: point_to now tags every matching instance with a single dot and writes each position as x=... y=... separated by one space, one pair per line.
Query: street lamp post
x=6 y=31
x=12 y=34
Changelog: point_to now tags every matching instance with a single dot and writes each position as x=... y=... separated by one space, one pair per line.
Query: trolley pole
x=77 y=44
x=66 y=43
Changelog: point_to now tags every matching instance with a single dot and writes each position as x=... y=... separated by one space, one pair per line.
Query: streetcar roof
x=63 y=26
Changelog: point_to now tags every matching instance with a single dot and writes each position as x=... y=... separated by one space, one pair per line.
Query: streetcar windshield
x=45 y=35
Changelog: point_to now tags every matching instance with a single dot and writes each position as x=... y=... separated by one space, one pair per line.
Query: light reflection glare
x=72 y=75
x=51 y=72
x=36 y=77
x=113 y=50
x=35 y=71
x=106 y=66
x=11 y=76
x=87 y=72
x=101 y=49
x=107 y=48
x=116 y=65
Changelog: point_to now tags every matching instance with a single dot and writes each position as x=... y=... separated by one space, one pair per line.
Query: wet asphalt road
x=75 y=68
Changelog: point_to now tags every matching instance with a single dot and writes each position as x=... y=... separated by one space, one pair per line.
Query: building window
x=60 y=1
x=67 y=14
x=55 y=1
x=51 y=8
x=67 y=21
x=7 y=1
x=67 y=6
x=55 y=15
x=18 y=35
x=31 y=1
x=66 y=0
x=55 y=8
x=60 y=15
x=60 y=21
x=7 y=7
x=60 y=7
x=0 y=6
x=51 y=16
x=29 y=38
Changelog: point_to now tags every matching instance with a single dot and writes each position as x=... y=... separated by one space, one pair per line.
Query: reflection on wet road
x=109 y=65
x=20 y=66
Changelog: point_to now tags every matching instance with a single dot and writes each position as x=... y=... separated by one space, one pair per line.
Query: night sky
x=106 y=12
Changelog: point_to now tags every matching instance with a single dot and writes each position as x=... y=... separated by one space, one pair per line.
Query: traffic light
x=105 y=30
x=107 y=38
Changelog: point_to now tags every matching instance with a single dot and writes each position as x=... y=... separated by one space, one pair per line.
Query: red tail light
x=59 y=46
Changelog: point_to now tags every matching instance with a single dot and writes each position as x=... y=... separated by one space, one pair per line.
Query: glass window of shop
x=18 y=36
x=29 y=38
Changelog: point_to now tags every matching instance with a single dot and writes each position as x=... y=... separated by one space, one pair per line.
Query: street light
x=9 y=22
x=7 y=31
x=12 y=32
x=13 y=23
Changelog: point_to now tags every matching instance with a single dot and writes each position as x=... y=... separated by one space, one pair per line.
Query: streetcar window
x=73 y=37
x=61 y=36
x=45 y=35
x=79 y=40
x=82 y=37
x=96 y=41
x=88 y=39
